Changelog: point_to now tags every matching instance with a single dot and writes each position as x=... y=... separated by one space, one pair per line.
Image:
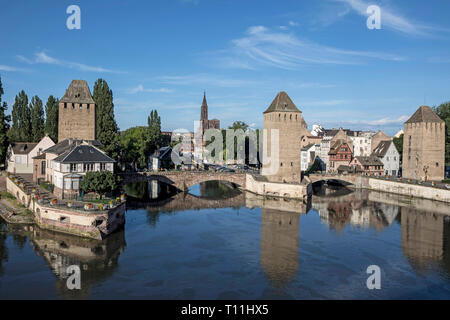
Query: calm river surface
x=219 y=243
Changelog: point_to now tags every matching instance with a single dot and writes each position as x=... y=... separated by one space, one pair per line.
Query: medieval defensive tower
x=77 y=113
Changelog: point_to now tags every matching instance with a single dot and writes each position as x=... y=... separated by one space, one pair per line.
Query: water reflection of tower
x=279 y=245
x=423 y=240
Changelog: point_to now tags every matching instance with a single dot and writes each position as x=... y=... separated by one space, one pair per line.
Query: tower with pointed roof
x=76 y=118
x=424 y=146
x=205 y=124
x=281 y=160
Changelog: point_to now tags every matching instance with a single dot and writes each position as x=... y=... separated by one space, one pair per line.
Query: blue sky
x=162 y=54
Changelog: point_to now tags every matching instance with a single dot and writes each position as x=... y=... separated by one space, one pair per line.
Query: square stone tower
x=424 y=146
x=77 y=113
x=281 y=161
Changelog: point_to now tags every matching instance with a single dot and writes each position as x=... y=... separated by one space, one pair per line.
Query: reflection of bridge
x=182 y=180
x=355 y=179
x=187 y=201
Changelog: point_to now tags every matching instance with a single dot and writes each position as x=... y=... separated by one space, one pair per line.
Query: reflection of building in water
x=422 y=237
x=97 y=259
x=338 y=212
x=279 y=245
x=153 y=189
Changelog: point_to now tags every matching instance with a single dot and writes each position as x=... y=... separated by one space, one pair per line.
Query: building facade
x=370 y=166
x=340 y=155
x=424 y=146
x=389 y=155
x=308 y=155
x=21 y=154
x=282 y=157
x=76 y=118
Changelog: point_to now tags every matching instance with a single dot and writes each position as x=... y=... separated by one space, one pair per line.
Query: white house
x=21 y=154
x=308 y=155
x=362 y=142
x=389 y=155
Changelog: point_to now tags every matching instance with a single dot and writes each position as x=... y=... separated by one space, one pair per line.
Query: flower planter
x=69 y=204
x=88 y=206
x=40 y=200
x=122 y=197
x=54 y=202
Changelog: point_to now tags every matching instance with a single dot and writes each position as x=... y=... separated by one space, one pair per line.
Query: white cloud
x=393 y=20
x=11 y=69
x=140 y=88
x=264 y=47
x=44 y=58
x=205 y=80
x=293 y=23
x=381 y=122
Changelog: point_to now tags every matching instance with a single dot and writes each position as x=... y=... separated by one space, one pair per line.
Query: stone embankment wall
x=90 y=224
x=410 y=190
x=274 y=189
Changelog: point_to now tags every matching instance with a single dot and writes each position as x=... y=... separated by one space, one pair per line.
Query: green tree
x=21 y=119
x=106 y=126
x=101 y=182
x=4 y=127
x=239 y=125
x=398 y=142
x=37 y=119
x=133 y=146
x=154 y=136
x=443 y=111
x=51 y=120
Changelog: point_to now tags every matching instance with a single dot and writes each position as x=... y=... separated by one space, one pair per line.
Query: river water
x=219 y=243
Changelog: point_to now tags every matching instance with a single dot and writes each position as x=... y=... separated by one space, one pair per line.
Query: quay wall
x=90 y=224
x=410 y=190
x=276 y=189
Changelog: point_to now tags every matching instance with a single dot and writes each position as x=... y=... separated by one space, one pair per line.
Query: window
x=67 y=184
x=81 y=106
x=17 y=160
x=43 y=167
x=65 y=105
x=75 y=184
x=73 y=167
x=102 y=166
x=88 y=167
x=410 y=140
x=281 y=164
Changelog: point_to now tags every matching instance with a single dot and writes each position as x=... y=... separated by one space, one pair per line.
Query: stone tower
x=424 y=146
x=284 y=116
x=76 y=113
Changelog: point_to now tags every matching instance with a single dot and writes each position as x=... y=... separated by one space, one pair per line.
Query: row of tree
x=28 y=121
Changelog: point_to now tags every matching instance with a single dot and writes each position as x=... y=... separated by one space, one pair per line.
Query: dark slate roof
x=306 y=148
x=23 y=147
x=424 y=114
x=78 y=92
x=41 y=156
x=162 y=152
x=67 y=145
x=83 y=153
x=333 y=132
x=382 y=148
x=369 y=161
x=282 y=102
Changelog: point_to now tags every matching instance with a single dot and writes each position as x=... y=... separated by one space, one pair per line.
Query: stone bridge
x=357 y=180
x=182 y=180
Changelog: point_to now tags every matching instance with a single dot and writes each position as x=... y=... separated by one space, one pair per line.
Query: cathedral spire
x=204 y=115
